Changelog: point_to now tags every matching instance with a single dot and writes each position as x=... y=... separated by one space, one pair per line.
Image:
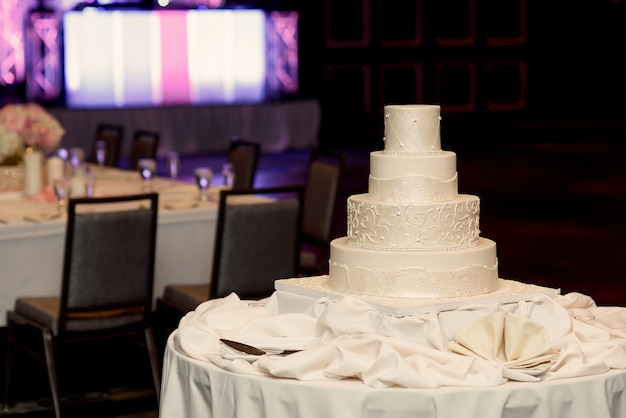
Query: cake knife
x=248 y=349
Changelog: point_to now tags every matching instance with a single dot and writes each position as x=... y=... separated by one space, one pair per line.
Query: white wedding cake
x=413 y=242
x=413 y=235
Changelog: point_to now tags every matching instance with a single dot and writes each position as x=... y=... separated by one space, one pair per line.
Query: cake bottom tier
x=413 y=274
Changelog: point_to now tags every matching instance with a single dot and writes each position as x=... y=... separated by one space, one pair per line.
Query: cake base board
x=294 y=293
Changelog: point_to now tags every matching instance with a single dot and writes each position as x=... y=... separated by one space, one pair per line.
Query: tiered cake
x=412 y=235
x=413 y=242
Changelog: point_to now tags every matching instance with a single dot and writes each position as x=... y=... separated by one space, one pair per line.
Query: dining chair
x=257 y=241
x=324 y=174
x=145 y=145
x=106 y=291
x=244 y=156
x=113 y=136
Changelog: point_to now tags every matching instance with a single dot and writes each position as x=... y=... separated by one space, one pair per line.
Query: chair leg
x=155 y=364
x=52 y=374
x=167 y=319
x=7 y=365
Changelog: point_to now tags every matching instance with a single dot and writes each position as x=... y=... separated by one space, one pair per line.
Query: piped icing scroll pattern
x=413 y=227
x=412 y=188
x=414 y=282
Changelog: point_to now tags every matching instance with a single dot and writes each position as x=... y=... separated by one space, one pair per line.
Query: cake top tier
x=412 y=129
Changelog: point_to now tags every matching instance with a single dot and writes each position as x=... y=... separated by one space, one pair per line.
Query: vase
x=33 y=173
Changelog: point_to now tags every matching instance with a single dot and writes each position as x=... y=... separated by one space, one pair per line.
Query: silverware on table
x=42 y=217
x=248 y=349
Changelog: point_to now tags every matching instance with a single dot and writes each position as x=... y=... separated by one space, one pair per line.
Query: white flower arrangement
x=27 y=125
x=10 y=144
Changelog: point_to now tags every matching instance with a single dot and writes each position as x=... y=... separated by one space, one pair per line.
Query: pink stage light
x=174 y=60
x=12 y=63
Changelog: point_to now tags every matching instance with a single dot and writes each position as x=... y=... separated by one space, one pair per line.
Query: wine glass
x=173 y=164
x=101 y=152
x=76 y=157
x=228 y=174
x=147 y=169
x=90 y=184
x=203 y=176
x=64 y=155
x=61 y=191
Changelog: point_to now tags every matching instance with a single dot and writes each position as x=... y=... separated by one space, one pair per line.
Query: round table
x=193 y=388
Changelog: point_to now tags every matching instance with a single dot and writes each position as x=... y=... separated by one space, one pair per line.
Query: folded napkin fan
x=510 y=340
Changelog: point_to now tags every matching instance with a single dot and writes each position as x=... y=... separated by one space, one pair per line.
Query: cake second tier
x=415 y=178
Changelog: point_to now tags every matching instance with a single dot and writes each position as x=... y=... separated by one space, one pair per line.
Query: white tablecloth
x=358 y=362
x=31 y=254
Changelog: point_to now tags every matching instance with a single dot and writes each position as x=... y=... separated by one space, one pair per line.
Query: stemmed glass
x=101 y=152
x=147 y=169
x=90 y=184
x=61 y=191
x=64 y=155
x=173 y=164
x=76 y=157
x=203 y=176
x=228 y=174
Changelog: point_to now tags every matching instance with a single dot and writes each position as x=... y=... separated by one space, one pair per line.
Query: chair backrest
x=321 y=193
x=244 y=156
x=145 y=145
x=113 y=136
x=257 y=240
x=108 y=268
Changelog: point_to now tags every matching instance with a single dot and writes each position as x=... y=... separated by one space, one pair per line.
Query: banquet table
x=32 y=244
x=356 y=366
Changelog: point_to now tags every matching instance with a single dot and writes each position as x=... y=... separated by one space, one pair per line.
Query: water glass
x=203 y=176
x=147 y=169
x=90 y=184
x=64 y=155
x=173 y=164
x=61 y=191
x=101 y=152
x=76 y=157
x=228 y=174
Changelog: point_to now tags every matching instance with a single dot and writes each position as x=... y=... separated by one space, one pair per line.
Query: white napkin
x=510 y=340
x=181 y=204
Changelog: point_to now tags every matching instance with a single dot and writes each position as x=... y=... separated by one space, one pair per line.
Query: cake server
x=248 y=349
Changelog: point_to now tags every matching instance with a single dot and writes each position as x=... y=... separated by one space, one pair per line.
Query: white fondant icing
x=441 y=166
x=413 y=274
x=410 y=188
x=412 y=129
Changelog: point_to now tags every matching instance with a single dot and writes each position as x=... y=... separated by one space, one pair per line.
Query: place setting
x=61 y=188
x=204 y=189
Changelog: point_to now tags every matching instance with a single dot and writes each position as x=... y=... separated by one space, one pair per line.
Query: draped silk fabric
x=477 y=345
